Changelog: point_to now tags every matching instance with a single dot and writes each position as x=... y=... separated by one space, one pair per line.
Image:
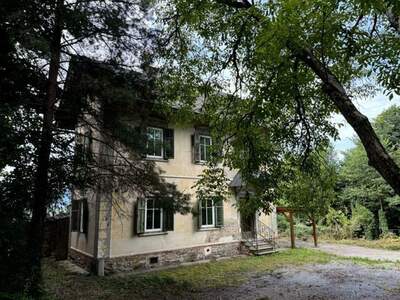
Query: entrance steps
x=260 y=247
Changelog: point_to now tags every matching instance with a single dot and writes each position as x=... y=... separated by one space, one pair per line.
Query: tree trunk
x=377 y=154
x=292 y=233
x=314 y=230
x=41 y=185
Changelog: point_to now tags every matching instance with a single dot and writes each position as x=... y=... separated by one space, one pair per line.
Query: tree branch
x=236 y=4
x=394 y=20
x=377 y=154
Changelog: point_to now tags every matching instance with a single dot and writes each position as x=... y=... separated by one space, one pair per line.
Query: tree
x=288 y=64
x=41 y=38
x=212 y=185
x=212 y=190
x=360 y=183
x=310 y=191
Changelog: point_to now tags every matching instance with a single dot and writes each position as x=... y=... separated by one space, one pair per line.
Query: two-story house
x=148 y=236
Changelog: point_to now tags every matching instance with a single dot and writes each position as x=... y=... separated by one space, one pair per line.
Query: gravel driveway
x=336 y=280
x=348 y=250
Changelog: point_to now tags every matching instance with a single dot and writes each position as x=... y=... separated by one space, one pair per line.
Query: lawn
x=180 y=281
x=390 y=243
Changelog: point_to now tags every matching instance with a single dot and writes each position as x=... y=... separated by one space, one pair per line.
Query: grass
x=180 y=281
x=233 y=271
x=389 y=243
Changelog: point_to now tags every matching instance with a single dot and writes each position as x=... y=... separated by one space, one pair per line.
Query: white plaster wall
x=184 y=173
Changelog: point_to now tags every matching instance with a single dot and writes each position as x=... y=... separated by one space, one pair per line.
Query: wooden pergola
x=288 y=213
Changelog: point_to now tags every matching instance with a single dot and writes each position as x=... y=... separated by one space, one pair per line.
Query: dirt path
x=337 y=280
x=349 y=251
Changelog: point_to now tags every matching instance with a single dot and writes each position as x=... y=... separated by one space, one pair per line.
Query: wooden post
x=292 y=237
x=314 y=228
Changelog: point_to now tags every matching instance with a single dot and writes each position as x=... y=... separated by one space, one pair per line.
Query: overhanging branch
x=377 y=154
x=236 y=4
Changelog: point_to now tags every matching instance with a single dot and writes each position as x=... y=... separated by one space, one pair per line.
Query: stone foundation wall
x=172 y=257
x=84 y=261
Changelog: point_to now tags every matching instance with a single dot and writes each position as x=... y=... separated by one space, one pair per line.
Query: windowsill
x=158 y=159
x=201 y=163
x=209 y=228
x=79 y=232
x=153 y=233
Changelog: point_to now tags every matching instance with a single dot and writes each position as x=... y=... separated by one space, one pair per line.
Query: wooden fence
x=56 y=237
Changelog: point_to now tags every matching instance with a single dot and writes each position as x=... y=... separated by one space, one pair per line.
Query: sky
x=371 y=107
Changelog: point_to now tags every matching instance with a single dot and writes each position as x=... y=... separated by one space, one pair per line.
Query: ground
x=350 y=250
x=290 y=274
x=335 y=280
x=388 y=243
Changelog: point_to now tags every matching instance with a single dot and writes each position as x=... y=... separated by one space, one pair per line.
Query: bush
x=283 y=224
x=337 y=225
x=362 y=222
x=383 y=224
x=302 y=231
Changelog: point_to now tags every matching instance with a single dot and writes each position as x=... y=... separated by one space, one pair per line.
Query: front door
x=247 y=225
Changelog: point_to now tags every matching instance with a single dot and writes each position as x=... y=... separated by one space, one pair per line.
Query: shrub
x=283 y=224
x=302 y=231
x=362 y=222
x=337 y=225
x=383 y=224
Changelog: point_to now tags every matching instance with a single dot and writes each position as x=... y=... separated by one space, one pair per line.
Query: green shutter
x=140 y=217
x=168 y=139
x=74 y=215
x=219 y=213
x=168 y=219
x=141 y=140
x=196 y=147
x=85 y=216
x=199 y=214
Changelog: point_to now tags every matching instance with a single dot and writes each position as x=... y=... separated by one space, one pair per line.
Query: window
x=83 y=149
x=211 y=213
x=154 y=142
x=204 y=148
x=207 y=213
x=79 y=216
x=153 y=216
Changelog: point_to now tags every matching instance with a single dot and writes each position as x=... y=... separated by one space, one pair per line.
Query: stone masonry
x=172 y=257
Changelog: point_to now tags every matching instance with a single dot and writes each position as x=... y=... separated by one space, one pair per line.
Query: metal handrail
x=259 y=232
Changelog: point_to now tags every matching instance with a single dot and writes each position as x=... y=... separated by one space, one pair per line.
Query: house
x=146 y=235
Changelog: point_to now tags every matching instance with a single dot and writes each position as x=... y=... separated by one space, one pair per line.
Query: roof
x=237 y=181
x=121 y=90
x=91 y=79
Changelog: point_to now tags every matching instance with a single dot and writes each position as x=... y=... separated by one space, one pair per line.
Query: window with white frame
x=207 y=213
x=79 y=216
x=153 y=215
x=154 y=142
x=204 y=148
